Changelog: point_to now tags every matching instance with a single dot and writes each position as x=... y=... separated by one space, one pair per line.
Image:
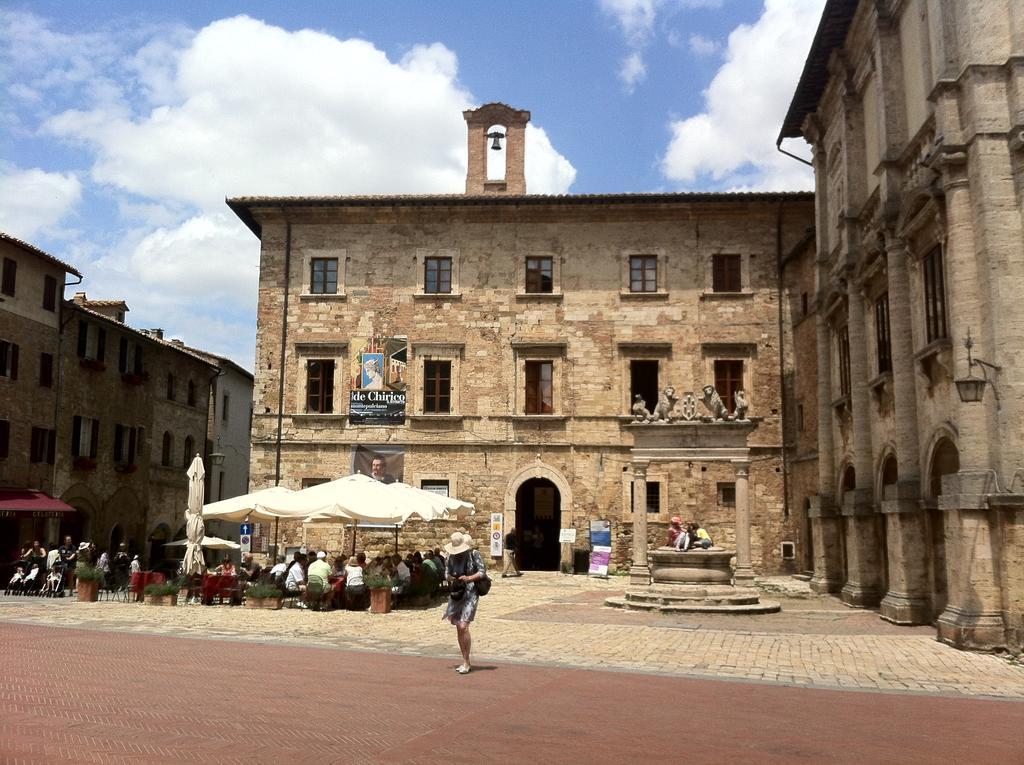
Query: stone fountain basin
x=712 y=566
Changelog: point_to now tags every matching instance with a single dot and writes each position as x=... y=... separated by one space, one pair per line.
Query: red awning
x=27 y=503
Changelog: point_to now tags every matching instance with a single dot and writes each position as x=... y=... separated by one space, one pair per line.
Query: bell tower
x=496 y=128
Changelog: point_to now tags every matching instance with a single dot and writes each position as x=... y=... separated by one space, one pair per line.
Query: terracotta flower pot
x=162 y=600
x=88 y=592
x=272 y=604
x=380 y=600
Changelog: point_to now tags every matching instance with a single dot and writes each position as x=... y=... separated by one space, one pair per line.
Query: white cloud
x=632 y=71
x=702 y=46
x=32 y=201
x=547 y=172
x=731 y=144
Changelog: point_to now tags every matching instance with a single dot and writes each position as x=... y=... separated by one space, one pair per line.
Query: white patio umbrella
x=210 y=543
x=194 y=528
x=256 y=505
x=362 y=499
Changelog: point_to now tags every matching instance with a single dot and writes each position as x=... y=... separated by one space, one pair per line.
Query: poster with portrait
x=378 y=387
x=385 y=463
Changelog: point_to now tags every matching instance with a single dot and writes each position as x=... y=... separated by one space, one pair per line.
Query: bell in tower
x=489 y=127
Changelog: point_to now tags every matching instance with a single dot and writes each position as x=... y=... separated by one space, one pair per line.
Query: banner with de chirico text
x=379 y=373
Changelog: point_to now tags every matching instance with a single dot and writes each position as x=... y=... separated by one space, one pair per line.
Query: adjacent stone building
x=518 y=329
x=915 y=111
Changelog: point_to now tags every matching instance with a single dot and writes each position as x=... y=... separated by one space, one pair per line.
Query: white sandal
x=462 y=669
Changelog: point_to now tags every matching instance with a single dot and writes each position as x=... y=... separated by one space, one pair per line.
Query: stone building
x=915 y=112
x=517 y=330
x=31 y=293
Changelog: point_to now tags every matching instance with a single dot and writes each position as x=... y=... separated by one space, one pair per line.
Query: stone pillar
x=640 y=572
x=973 y=614
x=907 y=542
x=826 y=526
x=744 y=575
x=863 y=586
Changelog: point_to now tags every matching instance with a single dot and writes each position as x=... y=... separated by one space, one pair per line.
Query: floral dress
x=467 y=563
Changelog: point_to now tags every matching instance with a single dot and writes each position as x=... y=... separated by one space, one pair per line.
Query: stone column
x=907 y=601
x=973 y=615
x=640 y=572
x=863 y=561
x=744 y=575
x=826 y=523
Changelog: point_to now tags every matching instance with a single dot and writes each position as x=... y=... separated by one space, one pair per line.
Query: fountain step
x=766 y=607
x=734 y=600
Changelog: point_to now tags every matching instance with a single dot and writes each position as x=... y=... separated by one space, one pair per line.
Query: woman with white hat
x=464 y=568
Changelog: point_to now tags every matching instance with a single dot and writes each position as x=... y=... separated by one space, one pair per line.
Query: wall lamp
x=971 y=389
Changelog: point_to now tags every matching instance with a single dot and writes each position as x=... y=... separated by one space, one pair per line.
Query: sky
x=125 y=125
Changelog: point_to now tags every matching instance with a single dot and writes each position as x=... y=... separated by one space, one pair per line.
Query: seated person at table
x=402 y=577
x=279 y=569
x=702 y=537
x=295 y=579
x=226 y=567
x=250 y=570
x=355 y=585
x=318 y=588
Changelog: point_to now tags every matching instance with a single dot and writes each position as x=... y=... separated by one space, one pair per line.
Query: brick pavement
x=88 y=696
x=558 y=621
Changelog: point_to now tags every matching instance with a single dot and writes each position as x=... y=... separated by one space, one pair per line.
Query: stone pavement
x=555 y=620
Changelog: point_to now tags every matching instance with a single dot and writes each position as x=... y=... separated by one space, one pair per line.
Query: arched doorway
x=116 y=538
x=945 y=461
x=157 y=539
x=538 y=519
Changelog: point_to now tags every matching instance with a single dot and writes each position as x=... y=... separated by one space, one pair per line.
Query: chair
x=317 y=592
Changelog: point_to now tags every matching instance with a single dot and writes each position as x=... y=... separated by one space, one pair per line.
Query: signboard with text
x=497 y=534
x=600 y=548
x=377 y=395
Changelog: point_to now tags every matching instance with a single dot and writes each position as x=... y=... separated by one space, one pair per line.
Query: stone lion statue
x=714 y=404
x=666 y=403
x=741 y=405
x=639 y=409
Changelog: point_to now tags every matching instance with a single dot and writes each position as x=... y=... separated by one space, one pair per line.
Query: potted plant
x=380 y=593
x=263 y=596
x=83 y=463
x=88 y=586
x=162 y=594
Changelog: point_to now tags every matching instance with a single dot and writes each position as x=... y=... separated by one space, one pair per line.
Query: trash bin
x=580 y=561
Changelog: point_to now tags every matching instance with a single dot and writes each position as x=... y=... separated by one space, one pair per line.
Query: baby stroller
x=17 y=583
x=32 y=582
x=54 y=582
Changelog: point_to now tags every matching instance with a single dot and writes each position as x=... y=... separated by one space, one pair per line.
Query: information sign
x=497 y=534
x=246 y=541
x=567 y=536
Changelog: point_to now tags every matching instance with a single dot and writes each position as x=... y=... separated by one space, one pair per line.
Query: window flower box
x=94 y=364
x=83 y=463
x=135 y=378
x=126 y=468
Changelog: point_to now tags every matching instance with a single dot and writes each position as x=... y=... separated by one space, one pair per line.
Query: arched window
x=170 y=387
x=189 y=448
x=165 y=451
x=191 y=393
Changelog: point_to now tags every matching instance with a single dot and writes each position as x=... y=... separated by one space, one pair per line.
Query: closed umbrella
x=194 y=528
x=210 y=543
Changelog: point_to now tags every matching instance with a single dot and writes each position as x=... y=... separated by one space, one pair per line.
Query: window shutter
x=122 y=356
x=95 y=438
x=83 y=339
x=76 y=436
x=138 y=359
x=118 y=438
x=5 y=438
x=14 y=362
x=51 y=448
x=101 y=344
x=132 y=442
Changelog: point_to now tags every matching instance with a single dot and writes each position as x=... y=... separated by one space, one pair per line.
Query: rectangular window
x=137 y=360
x=643 y=382
x=437 y=486
x=49 y=293
x=8 y=360
x=800 y=417
x=320 y=386
x=324 y=276
x=727 y=494
x=437 y=275
x=45 y=370
x=882 y=340
x=225 y=402
x=10 y=277
x=803 y=304
x=170 y=387
x=5 y=439
x=725 y=273
x=540 y=275
x=122 y=356
x=437 y=387
x=643 y=273
x=653 y=496
x=41 y=449
x=85 y=436
x=843 y=343
x=120 y=443
x=83 y=339
x=539 y=387
x=728 y=380
x=934 y=295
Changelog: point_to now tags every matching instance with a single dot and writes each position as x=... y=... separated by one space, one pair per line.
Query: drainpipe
x=284 y=347
x=784 y=416
x=778 y=148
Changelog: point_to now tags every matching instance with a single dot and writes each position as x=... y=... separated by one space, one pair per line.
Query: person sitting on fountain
x=675 y=530
x=701 y=537
x=686 y=537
